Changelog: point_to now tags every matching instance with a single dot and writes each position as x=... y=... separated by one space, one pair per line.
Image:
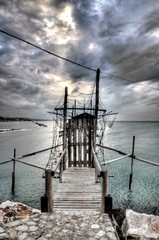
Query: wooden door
x=80 y=134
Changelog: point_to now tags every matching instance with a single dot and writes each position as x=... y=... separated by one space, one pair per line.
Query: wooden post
x=75 y=107
x=132 y=162
x=104 y=189
x=61 y=170
x=13 y=173
x=65 y=126
x=48 y=189
x=96 y=175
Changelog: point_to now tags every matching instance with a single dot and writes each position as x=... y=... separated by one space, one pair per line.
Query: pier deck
x=78 y=191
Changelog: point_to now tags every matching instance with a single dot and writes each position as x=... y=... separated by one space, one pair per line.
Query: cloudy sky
x=120 y=37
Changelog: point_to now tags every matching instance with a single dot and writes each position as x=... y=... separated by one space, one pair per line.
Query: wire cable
x=44 y=50
x=127 y=80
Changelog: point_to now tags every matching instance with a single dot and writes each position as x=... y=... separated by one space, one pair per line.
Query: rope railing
x=96 y=162
x=117 y=159
x=5 y=162
x=59 y=161
x=26 y=163
x=125 y=155
x=40 y=151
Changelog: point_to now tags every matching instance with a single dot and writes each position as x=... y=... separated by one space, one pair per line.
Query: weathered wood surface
x=78 y=191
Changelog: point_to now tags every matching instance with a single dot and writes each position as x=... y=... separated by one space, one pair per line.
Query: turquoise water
x=144 y=196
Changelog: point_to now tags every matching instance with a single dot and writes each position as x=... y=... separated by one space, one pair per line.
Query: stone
x=49 y=225
x=111 y=236
x=84 y=225
x=12 y=233
x=94 y=226
x=49 y=235
x=23 y=236
x=13 y=224
x=33 y=228
x=60 y=226
x=31 y=223
x=100 y=233
x=41 y=238
x=1 y=230
x=1 y=217
x=22 y=228
x=110 y=229
x=43 y=217
x=90 y=233
x=144 y=225
x=4 y=236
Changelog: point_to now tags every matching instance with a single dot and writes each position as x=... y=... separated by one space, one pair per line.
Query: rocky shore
x=19 y=222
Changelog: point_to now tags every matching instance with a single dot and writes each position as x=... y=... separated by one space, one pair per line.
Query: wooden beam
x=80 y=108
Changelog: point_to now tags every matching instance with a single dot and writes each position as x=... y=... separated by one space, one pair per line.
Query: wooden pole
x=48 y=189
x=60 y=170
x=96 y=106
x=75 y=107
x=65 y=125
x=13 y=173
x=104 y=189
x=132 y=163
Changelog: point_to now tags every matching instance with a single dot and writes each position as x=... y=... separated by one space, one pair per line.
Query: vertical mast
x=96 y=105
x=65 y=122
x=97 y=93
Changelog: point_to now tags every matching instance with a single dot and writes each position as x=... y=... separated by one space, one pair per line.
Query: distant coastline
x=19 y=119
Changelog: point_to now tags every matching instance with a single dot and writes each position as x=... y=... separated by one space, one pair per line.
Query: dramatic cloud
x=119 y=37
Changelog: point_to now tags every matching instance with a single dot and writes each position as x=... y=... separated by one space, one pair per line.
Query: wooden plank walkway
x=78 y=191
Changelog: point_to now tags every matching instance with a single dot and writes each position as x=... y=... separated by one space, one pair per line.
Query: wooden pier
x=78 y=191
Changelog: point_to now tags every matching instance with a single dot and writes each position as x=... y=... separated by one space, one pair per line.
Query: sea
x=27 y=137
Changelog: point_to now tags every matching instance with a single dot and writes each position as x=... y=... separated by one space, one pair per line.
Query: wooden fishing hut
x=78 y=165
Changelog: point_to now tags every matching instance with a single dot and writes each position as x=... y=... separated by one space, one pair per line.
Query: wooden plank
x=78 y=191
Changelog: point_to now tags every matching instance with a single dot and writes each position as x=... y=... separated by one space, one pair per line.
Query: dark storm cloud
x=124 y=35
x=151 y=22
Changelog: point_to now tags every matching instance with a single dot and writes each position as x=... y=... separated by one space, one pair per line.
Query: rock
x=110 y=229
x=1 y=230
x=33 y=228
x=12 y=233
x=22 y=228
x=55 y=226
x=101 y=233
x=23 y=236
x=13 y=224
x=143 y=225
x=4 y=236
x=94 y=226
x=111 y=236
x=31 y=223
